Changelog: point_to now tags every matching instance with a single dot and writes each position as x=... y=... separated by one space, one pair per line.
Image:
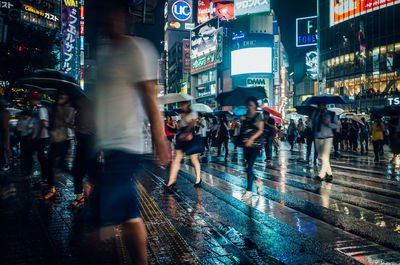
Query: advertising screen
x=243 y=7
x=342 y=10
x=252 y=61
x=207 y=9
x=179 y=14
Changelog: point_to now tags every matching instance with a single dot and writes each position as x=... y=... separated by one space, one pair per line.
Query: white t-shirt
x=203 y=131
x=120 y=113
x=39 y=114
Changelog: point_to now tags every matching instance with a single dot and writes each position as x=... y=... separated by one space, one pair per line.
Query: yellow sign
x=71 y=3
x=184 y=88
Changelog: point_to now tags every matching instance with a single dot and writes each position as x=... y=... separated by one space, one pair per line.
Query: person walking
x=214 y=129
x=251 y=140
x=39 y=142
x=223 y=136
x=300 y=131
x=309 y=136
x=269 y=132
x=377 y=134
x=184 y=142
x=236 y=133
x=125 y=103
x=85 y=162
x=202 y=124
x=364 y=136
x=324 y=122
x=291 y=133
x=170 y=127
x=353 y=136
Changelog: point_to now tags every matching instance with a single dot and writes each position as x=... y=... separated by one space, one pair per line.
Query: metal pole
x=318 y=48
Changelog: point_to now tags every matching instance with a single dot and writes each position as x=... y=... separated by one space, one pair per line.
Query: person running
x=183 y=144
x=291 y=133
x=324 y=122
x=125 y=103
x=377 y=134
x=300 y=130
x=269 y=132
x=223 y=135
x=251 y=133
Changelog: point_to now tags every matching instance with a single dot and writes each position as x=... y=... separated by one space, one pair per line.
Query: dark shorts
x=118 y=198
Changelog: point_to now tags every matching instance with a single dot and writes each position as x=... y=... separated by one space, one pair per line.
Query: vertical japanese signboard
x=70 y=32
x=186 y=55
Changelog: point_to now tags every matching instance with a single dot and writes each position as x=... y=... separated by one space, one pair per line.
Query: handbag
x=186 y=135
x=195 y=146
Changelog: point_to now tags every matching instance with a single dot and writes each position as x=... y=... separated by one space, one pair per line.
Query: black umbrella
x=307 y=110
x=218 y=113
x=392 y=110
x=52 y=74
x=326 y=99
x=239 y=96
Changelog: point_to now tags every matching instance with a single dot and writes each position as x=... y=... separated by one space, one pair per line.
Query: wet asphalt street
x=294 y=220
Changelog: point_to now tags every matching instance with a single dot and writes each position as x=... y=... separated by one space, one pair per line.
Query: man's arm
x=157 y=127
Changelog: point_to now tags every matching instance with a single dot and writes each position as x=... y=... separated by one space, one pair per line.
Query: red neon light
x=82 y=28
x=82 y=12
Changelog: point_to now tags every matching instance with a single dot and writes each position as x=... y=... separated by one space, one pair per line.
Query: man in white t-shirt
x=125 y=99
x=40 y=140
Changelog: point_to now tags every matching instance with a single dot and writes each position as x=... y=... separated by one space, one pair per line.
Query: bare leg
x=195 y=161
x=176 y=164
x=135 y=237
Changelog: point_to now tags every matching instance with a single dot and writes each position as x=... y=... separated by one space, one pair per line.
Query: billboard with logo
x=186 y=55
x=342 y=10
x=179 y=14
x=206 y=46
x=306 y=31
x=243 y=7
x=208 y=9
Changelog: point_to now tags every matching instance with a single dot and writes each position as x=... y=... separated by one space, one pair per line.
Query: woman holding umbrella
x=251 y=137
x=223 y=135
x=291 y=132
x=185 y=144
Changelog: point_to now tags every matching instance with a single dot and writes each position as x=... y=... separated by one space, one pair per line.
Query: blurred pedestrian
x=345 y=134
x=125 y=98
x=39 y=142
x=236 y=133
x=185 y=145
x=309 y=136
x=202 y=123
x=324 y=122
x=291 y=133
x=377 y=131
x=364 y=136
x=353 y=136
x=269 y=132
x=222 y=136
x=300 y=132
x=214 y=129
x=252 y=142
x=394 y=135
x=170 y=128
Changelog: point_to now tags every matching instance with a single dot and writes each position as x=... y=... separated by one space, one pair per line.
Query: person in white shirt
x=125 y=99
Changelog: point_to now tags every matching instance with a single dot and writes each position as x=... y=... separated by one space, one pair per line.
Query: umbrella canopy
x=357 y=119
x=174 y=98
x=198 y=107
x=239 y=96
x=392 y=110
x=276 y=119
x=240 y=111
x=46 y=103
x=222 y=112
x=326 y=99
x=307 y=110
x=271 y=111
x=39 y=89
x=338 y=111
x=73 y=90
x=14 y=111
x=51 y=74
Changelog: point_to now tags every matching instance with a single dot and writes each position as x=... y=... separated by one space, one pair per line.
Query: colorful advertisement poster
x=206 y=46
x=243 y=7
x=342 y=10
x=179 y=14
x=208 y=9
x=70 y=31
x=186 y=55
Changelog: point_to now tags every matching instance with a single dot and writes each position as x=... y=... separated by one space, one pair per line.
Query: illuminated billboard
x=208 y=9
x=243 y=7
x=179 y=14
x=306 y=31
x=206 y=46
x=342 y=10
x=252 y=61
x=71 y=40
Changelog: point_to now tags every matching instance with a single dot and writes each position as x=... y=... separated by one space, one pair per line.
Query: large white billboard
x=342 y=10
x=252 y=61
x=243 y=7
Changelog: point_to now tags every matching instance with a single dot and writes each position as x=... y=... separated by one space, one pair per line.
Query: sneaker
x=258 y=183
x=328 y=178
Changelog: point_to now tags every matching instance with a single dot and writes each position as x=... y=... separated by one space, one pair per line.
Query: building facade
x=360 y=51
